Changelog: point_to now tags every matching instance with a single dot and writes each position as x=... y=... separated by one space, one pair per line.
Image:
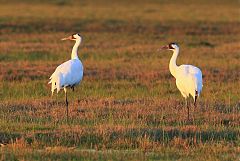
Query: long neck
x=172 y=65
x=74 y=54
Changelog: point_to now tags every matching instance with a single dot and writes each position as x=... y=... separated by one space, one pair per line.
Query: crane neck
x=74 y=54
x=172 y=64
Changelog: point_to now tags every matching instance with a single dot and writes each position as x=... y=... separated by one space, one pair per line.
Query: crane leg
x=195 y=100
x=186 y=101
x=66 y=103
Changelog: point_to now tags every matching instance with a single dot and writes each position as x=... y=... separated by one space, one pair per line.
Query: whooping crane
x=69 y=73
x=188 y=77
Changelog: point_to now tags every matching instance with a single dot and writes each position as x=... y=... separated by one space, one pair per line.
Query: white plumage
x=188 y=77
x=70 y=73
x=189 y=80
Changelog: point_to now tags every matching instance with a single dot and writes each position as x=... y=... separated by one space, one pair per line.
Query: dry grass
x=127 y=106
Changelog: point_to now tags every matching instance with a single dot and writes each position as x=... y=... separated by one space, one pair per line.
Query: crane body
x=188 y=77
x=69 y=73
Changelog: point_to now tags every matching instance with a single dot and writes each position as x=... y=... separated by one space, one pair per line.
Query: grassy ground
x=127 y=106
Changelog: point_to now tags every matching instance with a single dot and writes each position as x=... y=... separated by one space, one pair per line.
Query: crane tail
x=57 y=81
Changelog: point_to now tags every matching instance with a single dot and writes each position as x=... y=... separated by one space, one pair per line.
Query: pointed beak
x=163 y=48
x=68 y=38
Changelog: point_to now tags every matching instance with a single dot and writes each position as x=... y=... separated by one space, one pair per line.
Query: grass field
x=127 y=106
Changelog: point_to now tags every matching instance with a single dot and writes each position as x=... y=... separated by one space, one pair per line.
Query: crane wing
x=189 y=79
x=67 y=74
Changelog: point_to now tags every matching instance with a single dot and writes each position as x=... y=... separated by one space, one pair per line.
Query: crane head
x=171 y=46
x=73 y=37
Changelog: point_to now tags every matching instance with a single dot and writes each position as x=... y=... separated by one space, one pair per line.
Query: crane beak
x=163 y=48
x=68 y=38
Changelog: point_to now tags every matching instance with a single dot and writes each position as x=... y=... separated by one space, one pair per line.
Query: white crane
x=69 y=73
x=188 y=77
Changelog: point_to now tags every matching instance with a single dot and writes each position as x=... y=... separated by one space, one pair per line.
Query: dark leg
x=66 y=104
x=72 y=88
x=195 y=101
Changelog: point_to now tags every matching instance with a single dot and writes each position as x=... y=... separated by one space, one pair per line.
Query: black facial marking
x=170 y=45
x=73 y=37
x=75 y=34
